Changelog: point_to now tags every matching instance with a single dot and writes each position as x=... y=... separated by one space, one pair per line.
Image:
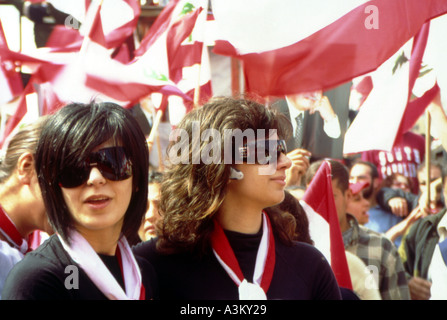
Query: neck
x=372 y=201
x=17 y=211
x=103 y=241
x=344 y=225
x=240 y=219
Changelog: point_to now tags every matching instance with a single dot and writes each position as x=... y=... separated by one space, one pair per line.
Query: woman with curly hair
x=227 y=163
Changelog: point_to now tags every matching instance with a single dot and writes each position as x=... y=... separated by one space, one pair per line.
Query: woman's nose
x=95 y=177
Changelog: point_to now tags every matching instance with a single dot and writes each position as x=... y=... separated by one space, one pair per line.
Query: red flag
x=116 y=29
x=360 y=90
x=318 y=202
x=416 y=107
x=18 y=115
x=127 y=82
x=347 y=48
x=177 y=52
x=10 y=82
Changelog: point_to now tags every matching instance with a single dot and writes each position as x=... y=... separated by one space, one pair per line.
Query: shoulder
x=427 y=223
x=376 y=238
x=9 y=256
x=149 y=277
x=36 y=272
x=146 y=249
x=302 y=256
x=280 y=105
x=304 y=266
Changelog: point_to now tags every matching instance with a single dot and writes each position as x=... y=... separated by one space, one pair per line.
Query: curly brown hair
x=192 y=191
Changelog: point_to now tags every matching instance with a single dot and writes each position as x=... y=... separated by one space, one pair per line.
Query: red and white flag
x=176 y=42
x=64 y=75
x=387 y=111
x=357 y=37
x=324 y=228
x=148 y=72
x=119 y=20
x=10 y=82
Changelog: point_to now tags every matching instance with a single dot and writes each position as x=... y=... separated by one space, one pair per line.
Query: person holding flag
x=216 y=241
x=377 y=252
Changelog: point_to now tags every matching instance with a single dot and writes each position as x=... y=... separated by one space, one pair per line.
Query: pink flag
x=352 y=45
x=318 y=202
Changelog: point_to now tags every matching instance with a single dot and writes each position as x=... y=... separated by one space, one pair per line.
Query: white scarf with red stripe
x=83 y=254
x=264 y=266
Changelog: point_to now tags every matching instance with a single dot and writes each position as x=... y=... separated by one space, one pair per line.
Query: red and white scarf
x=11 y=234
x=83 y=254
x=264 y=266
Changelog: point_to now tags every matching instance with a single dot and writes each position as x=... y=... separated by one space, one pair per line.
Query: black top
x=43 y=275
x=301 y=272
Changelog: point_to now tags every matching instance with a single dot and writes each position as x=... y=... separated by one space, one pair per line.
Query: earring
x=236 y=174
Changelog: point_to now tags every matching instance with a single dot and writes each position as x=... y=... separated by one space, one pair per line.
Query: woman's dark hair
x=300 y=225
x=69 y=137
x=339 y=172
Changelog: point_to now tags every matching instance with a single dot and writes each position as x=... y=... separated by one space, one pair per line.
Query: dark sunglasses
x=265 y=151
x=113 y=163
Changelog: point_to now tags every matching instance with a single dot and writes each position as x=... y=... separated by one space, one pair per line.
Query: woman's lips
x=98 y=202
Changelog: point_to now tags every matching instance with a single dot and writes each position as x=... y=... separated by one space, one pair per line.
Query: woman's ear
x=25 y=167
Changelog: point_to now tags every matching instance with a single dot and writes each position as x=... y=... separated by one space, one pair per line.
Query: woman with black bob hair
x=92 y=164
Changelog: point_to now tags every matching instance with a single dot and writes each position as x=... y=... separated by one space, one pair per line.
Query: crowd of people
x=222 y=220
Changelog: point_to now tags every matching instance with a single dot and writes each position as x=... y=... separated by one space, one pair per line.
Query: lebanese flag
x=177 y=40
x=329 y=44
x=10 y=82
x=189 y=64
x=26 y=112
x=388 y=111
x=324 y=228
x=128 y=82
x=361 y=88
x=119 y=20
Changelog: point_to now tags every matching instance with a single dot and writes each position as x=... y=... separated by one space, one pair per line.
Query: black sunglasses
x=113 y=163
x=265 y=151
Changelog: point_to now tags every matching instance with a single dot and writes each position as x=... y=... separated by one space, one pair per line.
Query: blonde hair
x=25 y=140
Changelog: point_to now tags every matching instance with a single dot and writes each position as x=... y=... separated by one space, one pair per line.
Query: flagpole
x=160 y=155
x=152 y=134
x=197 y=89
x=427 y=156
x=90 y=19
x=204 y=47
